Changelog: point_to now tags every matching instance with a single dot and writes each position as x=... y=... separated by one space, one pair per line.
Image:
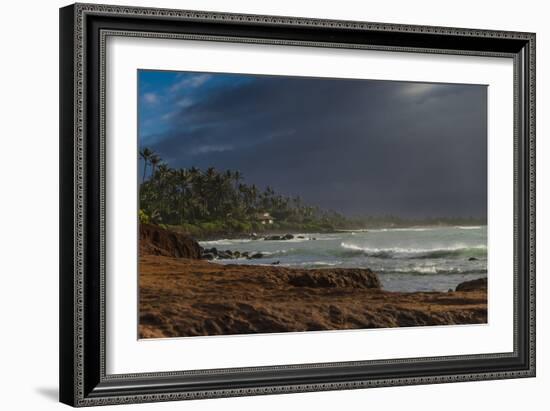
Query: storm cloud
x=360 y=147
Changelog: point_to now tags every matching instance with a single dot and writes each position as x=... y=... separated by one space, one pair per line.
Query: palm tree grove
x=211 y=202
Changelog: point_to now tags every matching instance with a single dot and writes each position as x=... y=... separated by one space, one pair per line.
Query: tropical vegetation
x=211 y=202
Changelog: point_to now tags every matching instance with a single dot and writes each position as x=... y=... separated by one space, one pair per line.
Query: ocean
x=406 y=259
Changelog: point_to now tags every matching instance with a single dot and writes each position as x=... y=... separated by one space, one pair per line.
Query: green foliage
x=210 y=201
x=207 y=203
x=143 y=217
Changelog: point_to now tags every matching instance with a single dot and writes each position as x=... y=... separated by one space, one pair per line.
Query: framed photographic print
x=262 y=204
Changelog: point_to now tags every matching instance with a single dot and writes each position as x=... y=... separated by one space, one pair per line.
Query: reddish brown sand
x=182 y=297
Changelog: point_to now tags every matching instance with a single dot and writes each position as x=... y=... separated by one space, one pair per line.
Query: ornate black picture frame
x=83 y=30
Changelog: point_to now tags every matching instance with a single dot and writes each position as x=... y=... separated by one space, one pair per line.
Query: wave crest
x=430 y=270
x=412 y=253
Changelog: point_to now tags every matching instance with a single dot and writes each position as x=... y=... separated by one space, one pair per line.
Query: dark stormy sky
x=361 y=147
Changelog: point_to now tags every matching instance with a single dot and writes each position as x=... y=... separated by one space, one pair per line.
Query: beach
x=184 y=295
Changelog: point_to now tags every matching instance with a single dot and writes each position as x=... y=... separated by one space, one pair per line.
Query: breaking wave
x=224 y=241
x=413 y=253
x=411 y=229
x=425 y=270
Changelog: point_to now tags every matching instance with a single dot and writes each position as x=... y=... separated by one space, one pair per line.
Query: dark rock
x=212 y=327
x=301 y=237
x=473 y=285
x=244 y=254
x=212 y=250
x=275 y=263
x=224 y=256
x=279 y=237
x=472 y=259
x=337 y=277
x=335 y=314
x=236 y=254
x=256 y=255
x=208 y=256
x=154 y=240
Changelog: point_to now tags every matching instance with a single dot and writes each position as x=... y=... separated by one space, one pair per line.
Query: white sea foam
x=276 y=252
x=224 y=241
x=411 y=229
x=430 y=270
x=314 y=264
x=436 y=252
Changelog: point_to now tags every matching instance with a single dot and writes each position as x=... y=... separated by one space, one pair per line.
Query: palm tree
x=154 y=159
x=145 y=154
x=192 y=196
x=237 y=177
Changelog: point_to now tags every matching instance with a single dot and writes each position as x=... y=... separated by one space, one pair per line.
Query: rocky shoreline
x=183 y=294
x=158 y=241
x=214 y=253
x=182 y=297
